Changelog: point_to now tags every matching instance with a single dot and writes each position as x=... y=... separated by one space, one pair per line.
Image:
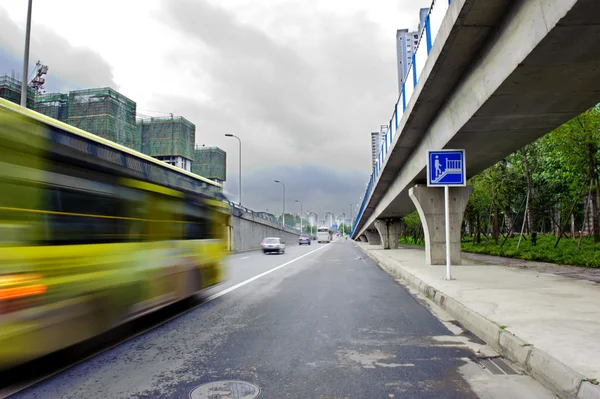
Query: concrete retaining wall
x=248 y=231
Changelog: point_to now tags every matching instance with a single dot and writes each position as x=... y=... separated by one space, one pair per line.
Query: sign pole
x=447 y=216
x=446 y=168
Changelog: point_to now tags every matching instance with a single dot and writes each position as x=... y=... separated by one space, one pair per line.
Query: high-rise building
x=10 y=89
x=376 y=139
x=422 y=15
x=105 y=113
x=169 y=139
x=375 y=143
x=328 y=219
x=404 y=50
x=210 y=162
x=312 y=218
x=406 y=45
x=54 y=105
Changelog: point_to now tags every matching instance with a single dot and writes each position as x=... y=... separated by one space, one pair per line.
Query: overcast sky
x=301 y=82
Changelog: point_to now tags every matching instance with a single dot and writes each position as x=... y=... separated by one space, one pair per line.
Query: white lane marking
x=12 y=390
x=245 y=257
x=243 y=283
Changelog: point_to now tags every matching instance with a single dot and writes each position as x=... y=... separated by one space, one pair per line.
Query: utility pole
x=283 y=214
x=24 y=83
x=240 y=163
x=301 y=232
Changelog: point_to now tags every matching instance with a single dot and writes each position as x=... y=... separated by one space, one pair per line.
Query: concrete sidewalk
x=547 y=323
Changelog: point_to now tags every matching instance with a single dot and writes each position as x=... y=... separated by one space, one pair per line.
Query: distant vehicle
x=304 y=239
x=324 y=234
x=273 y=244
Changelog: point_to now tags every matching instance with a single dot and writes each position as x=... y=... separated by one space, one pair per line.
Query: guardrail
x=427 y=36
x=259 y=215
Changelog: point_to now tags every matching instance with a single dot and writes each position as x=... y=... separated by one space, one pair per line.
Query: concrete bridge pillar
x=430 y=205
x=362 y=238
x=373 y=237
x=389 y=231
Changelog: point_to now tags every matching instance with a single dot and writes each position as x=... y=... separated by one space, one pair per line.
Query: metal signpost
x=446 y=168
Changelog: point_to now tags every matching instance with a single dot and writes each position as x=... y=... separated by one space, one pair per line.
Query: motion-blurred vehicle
x=273 y=244
x=304 y=239
x=324 y=234
x=93 y=234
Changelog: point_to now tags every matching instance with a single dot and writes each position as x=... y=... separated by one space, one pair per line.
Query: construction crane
x=37 y=83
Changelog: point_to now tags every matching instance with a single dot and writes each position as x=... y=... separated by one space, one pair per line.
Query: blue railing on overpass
x=261 y=215
x=427 y=36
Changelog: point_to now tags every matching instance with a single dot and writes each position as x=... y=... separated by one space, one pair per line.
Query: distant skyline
x=303 y=87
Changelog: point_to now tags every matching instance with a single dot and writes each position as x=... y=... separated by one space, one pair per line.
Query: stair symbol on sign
x=453 y=167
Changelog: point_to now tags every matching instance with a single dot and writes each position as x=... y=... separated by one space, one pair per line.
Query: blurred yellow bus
x=93 y=234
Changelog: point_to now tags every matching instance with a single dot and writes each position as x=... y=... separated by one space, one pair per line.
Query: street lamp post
x=301 y=231
x=26 y=58
x=283 y=214
x=240 y=141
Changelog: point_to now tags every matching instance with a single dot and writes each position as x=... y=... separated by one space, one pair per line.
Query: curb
x=551 y=373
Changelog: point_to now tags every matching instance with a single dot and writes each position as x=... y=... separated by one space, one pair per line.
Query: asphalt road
x=320 y=321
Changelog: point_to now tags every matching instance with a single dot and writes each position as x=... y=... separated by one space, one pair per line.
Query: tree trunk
x=495 y=231
x=524 y=217
x=509 y=218
x=573 y=225
x=594 y=211
x=528 y=211
x=478 y=229
x=585 y=217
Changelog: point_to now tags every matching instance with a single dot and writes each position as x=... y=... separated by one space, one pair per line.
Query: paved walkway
x=553 y=313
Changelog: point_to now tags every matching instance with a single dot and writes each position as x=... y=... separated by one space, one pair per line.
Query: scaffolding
x=210 y=162
x=10 y=89
x=54 y=105
x=168 y=137
x=104 y=112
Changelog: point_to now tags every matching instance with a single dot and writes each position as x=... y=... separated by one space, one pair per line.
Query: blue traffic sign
x=446 y=168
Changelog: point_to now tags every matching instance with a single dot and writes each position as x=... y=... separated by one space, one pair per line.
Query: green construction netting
x=168 y=137
x=54 y=105
x=10 y=89
x=210 y=162
x=104 y=112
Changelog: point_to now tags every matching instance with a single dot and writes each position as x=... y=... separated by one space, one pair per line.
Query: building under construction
x=105 y=113
x=10 y=89
x=170 y=139
x=54 y=105
x=210 y=162
x=108 y=114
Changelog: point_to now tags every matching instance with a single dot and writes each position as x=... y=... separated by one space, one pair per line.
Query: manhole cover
x=225 y=389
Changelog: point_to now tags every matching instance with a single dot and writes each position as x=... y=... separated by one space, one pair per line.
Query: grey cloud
x=311 y=96
x=304 y=102
x=70 y=67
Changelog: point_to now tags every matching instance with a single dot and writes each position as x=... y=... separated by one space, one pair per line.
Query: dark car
x=304 y=239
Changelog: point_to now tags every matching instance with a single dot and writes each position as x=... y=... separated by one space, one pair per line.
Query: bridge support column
x=430 y=205
x=362 y=238
x=373 y=237
x=389 y=231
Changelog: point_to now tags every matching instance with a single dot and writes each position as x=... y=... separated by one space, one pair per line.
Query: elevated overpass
x=489 y=76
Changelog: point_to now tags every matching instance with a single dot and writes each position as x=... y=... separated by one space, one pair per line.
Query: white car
x=273 y=244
